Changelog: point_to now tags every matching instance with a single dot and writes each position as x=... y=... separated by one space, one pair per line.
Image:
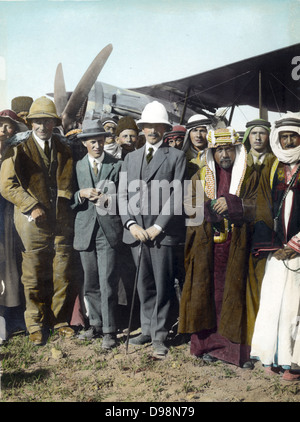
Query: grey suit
x=138 y=203
x=97 y=238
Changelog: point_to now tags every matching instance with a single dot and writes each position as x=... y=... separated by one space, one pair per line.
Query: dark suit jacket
x=87 y=214
x=147 y=207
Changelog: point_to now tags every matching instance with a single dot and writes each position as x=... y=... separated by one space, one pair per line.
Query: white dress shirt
x=91 y=161
x=98 y=161
x=155 y=147
x=41 y=142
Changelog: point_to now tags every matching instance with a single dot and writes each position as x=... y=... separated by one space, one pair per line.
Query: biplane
x=268 y=82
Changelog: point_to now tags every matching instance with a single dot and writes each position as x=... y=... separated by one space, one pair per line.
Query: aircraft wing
x=270 y=80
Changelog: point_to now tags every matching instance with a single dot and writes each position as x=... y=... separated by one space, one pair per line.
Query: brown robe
x=197 y=309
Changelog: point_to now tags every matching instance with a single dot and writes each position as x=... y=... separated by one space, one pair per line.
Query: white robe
x=276 y=338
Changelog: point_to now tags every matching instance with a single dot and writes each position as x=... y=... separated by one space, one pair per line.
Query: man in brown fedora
x=36 y=176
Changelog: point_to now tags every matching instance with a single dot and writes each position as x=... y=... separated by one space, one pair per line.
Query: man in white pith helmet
x=149 y=221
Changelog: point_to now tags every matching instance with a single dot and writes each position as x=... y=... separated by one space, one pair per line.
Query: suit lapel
x=106 y=167
x=37 y=154
x=138 y=162
x=32 y=150
x=86 y=170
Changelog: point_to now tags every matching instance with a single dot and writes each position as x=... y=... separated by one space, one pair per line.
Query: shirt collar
x=41 y=142
x=155 y=146
x=98 y=160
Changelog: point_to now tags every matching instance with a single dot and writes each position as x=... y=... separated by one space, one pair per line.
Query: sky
x=154 y=41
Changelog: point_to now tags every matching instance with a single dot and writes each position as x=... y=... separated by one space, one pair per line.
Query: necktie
x=95 y=168
x=149 y=156
x=47 y=149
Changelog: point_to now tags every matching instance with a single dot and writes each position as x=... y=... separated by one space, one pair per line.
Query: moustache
x=225 y=163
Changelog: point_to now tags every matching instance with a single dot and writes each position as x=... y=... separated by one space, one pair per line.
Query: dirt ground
x=68 y=370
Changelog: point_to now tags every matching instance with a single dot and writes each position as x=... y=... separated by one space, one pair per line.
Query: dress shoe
x=140 y=340
x=209 y=358
x=248 y=365
x=109 y=341
x=289 y=376
x=159 y=348
x=37 y=338
x=66 y=331
x=90 y=333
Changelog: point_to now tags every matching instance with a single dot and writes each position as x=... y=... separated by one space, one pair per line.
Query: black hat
x=288 y=121
x=91 y=129
x=258 y=122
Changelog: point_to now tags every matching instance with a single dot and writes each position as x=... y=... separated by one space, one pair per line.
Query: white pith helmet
x=154 y=112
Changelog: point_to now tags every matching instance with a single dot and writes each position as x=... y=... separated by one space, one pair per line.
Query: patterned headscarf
x=290 y=122
x=219 y=137
x=222 y=136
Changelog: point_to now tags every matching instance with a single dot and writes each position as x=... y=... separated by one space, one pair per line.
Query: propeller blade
x=60 y=94
x=87 y=81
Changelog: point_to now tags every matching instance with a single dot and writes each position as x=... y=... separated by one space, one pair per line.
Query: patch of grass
x=69 y=370
x=26 y=354
x=229 y=372
x=190 y=387
x=18 y=379
x=141 y=363
x=290 y=391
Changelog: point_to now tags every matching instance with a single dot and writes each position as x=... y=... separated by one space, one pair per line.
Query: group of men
x=129 y=188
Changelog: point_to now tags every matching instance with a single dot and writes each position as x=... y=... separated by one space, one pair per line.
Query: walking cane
x=134 y=292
